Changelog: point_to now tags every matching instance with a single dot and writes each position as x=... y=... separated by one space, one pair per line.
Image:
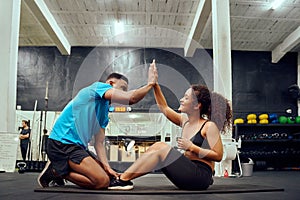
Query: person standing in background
x=24 y=138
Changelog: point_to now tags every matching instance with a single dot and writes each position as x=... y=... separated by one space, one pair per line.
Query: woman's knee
x=159 y=148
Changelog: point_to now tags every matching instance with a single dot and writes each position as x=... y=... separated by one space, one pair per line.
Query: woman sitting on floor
x=206 y=114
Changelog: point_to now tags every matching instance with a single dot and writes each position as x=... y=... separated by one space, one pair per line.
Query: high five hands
x=152 y=74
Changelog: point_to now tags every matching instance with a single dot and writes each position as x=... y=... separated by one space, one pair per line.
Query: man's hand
x=152 y=74
x=112 y=172
x=109 y=171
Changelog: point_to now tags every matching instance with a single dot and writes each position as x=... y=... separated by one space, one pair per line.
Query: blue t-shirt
x=83 y=117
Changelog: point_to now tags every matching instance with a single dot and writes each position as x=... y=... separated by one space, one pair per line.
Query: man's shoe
x=59 y=181
x=47 y=177
x=118 y=184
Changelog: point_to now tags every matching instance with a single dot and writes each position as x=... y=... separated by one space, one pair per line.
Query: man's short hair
x=117 y=76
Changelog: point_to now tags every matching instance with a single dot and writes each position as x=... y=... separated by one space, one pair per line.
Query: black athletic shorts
x=59 y=154
x=185 y=173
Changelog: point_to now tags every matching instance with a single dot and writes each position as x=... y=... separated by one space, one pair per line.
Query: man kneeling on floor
x=85 y=117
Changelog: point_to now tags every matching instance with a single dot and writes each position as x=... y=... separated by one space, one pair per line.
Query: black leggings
x=185 y=173
x=24 y=147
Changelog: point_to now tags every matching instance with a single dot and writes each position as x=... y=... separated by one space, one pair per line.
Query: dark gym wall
x=36 y=66
x=67 y=74
x=258 y=85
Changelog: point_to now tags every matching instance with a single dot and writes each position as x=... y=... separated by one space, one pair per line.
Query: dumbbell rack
x=271 y=146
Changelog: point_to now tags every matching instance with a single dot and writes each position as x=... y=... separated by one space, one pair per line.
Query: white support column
x=9 y=25
x=298 y=79
x=222 y=64
x=222 y=48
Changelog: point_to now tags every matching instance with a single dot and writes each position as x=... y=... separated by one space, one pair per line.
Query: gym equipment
x=252 y=121
x=29 y=164
x=251 y=116
x=230 y=153
x=45 y=131
x=128 y=144
x=22 y=167
x=44 y=144
x=239 y=121
x=158 y=188
x=291 y=120
x=263 y=116
x=41 y=150
x=297 y=120
x=282 y=119
x=263 y=121
x=274 y=121
x=32 y=132
x=273 y=118
x=38 y=165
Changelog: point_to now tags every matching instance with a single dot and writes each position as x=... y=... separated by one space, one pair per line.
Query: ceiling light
x=276 y=4
x=119 y=27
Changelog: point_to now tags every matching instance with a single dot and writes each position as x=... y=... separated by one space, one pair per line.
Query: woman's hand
x=152 y=74
x=184 y=143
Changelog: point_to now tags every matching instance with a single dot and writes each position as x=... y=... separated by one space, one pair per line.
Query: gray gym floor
x=21 y=186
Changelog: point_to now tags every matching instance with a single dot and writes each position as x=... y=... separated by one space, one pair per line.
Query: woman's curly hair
x=214 y=106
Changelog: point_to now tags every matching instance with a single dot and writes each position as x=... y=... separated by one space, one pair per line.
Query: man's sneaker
x=47 y=177
x=58 y=181
x=118 y=184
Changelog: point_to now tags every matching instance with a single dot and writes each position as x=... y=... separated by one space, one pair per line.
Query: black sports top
x=197 y=139
x=25 y=132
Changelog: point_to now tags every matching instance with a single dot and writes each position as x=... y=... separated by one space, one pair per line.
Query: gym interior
x=246 y=50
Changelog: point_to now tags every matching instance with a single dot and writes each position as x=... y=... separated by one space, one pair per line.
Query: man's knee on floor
x=101 y=182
